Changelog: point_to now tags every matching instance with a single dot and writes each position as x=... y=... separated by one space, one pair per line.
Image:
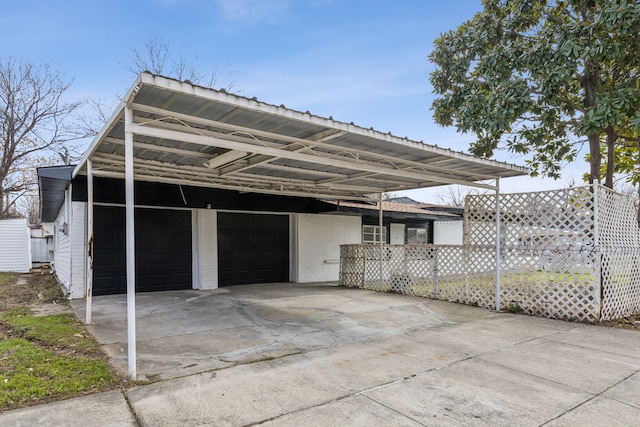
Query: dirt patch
x=40 y=291
x=630 y=322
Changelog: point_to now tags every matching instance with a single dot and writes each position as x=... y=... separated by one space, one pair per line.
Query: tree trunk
x=612 y=137
x=595 y=158
x=638 y=183
x=590 y=84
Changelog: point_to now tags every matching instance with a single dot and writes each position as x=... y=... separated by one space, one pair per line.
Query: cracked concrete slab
x=267 y=354
x=351 y=411
x=598 y=412
x=595 y=374
x=250 y=323
x=100 y=410
x=474 y=392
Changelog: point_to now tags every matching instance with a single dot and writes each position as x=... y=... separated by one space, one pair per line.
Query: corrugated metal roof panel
x=177 y=125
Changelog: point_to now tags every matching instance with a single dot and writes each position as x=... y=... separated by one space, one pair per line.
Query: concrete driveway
x=186 y=332
x=318 y=354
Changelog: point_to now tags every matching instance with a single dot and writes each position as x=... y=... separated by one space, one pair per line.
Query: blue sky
x=355 y=60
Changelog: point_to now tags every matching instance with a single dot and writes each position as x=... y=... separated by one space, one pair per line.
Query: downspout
x=89 y=272
x=130 y=242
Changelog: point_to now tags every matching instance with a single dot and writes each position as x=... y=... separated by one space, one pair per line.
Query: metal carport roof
x=175 y=132
x=200 y=136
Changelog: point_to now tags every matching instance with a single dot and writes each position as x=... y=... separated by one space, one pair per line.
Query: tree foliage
x=35 y=125
x=543 y=78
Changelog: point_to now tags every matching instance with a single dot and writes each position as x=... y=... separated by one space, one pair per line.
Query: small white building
x=448 y=233
x=15 y=246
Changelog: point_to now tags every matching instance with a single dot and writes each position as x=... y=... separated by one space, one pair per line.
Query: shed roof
x=188 y=134
x=52 y=183
x=401 y=210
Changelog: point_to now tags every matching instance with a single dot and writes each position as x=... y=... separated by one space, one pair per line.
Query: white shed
x=448 y=232
x=15 y=246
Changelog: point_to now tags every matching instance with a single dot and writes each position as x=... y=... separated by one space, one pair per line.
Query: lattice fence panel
x=619 y=242
x=568 y=254
x=558 y=284
x=548 y=254
x=352 y=266
x=544 y=220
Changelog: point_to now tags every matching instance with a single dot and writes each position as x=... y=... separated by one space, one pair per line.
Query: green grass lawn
x=48 y=357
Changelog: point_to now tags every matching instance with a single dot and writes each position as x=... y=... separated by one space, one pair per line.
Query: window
x=371 y=234
x=417 y=236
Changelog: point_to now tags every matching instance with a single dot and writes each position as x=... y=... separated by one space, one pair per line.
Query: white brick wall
x=319 y=238
x=205 y=249
x=448 y=232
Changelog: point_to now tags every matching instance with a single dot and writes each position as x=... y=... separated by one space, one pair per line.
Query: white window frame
x=419 y=232
x=371 y=234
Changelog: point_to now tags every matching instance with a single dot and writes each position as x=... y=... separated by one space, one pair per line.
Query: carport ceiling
x=186 y=134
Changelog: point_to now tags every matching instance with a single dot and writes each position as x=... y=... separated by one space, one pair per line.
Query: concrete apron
x=185 y=332
x=329 y=356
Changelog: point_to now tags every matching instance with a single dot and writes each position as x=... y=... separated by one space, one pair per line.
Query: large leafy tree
x=544 y=77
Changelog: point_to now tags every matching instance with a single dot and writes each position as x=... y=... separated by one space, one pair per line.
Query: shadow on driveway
x=186 y=332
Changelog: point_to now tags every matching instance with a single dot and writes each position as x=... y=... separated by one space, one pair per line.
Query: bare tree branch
x=156 y=57
x=35 y=122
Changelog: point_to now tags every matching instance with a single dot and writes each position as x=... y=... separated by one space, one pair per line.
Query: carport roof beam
x=165 y=134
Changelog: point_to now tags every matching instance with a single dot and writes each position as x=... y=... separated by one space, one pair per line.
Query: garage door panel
x=264 y=257
x=279 y=257
x=252 y=248
x=246 y=257
x=265 y=238
x=163 y=250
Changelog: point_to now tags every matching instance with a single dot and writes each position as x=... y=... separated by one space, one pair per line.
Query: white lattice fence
x=619 y=243
x=549 y=263
x=567 y=254
x=467 y=275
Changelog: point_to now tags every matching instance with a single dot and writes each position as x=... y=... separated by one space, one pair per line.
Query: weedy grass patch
x=6 y=278
x=45 y=358
x=31 y=374
x=59 y=331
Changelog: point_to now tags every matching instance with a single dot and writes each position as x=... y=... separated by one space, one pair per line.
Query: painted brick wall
x=205 y=249
x=448 y=232
x=318 y=245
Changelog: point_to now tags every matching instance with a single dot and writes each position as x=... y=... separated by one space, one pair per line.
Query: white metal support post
x=130 y=242
x=380 y=224
x=596 y=244
x=89 y=272
x=498 y=255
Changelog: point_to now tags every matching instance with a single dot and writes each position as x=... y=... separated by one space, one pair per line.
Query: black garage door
x=252 y=248
x=163 y=250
